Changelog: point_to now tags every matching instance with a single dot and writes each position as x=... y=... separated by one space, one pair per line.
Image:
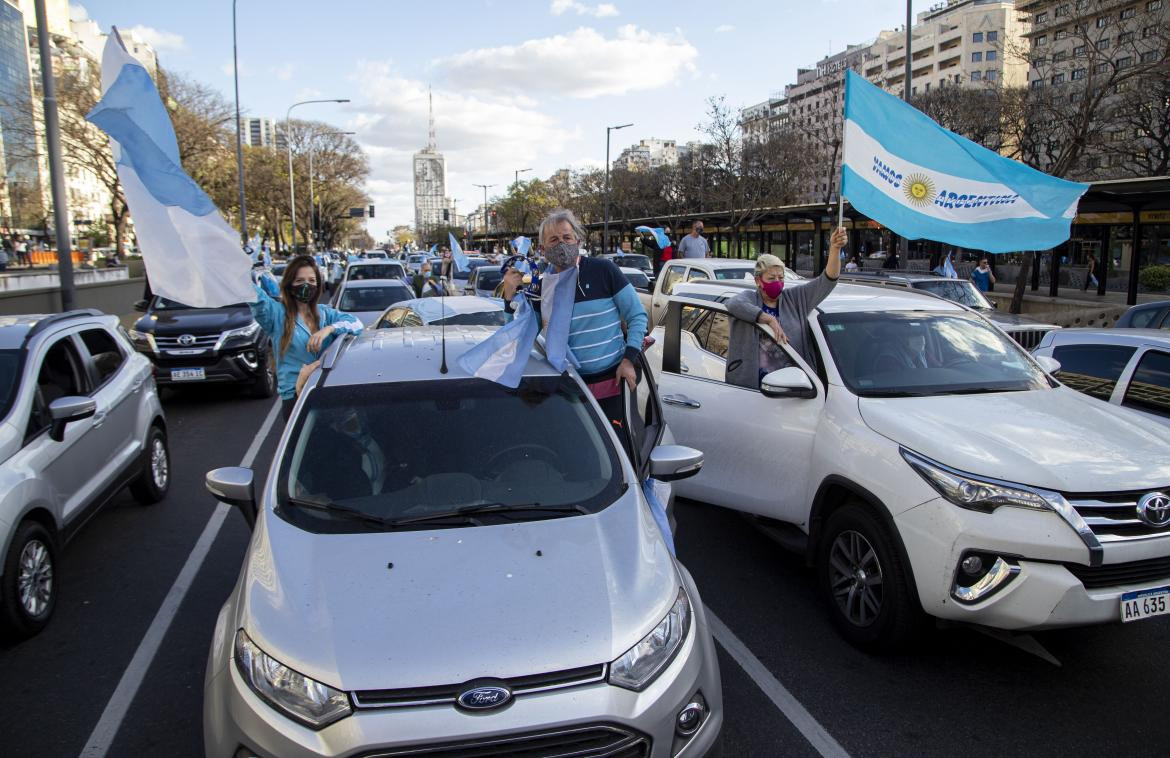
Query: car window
x=673 y=276
x=542 y=443
x=712 y=328
x=391 y=319
x=644 y=416
x=1149 y=389
x=1092 y=369
x=379 y=271
x=10 y=364
x=412 y=319
x=637 y=280
x=487 y=278
x=965 y=293
x=696 y=273
x=734 y=274
x=104 y=351
x=359 y=299
x=60 y=375
x=1146 y=319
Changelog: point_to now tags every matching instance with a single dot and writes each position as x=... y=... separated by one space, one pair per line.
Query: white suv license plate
x=1143 y=604
x=187 y=374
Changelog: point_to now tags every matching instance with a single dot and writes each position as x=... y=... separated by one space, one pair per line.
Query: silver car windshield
x=410 y=451
x=957 y=292
x=374 y=298
x=904 y=354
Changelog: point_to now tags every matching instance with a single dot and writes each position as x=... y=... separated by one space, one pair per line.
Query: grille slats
x=446 y=693
x=1122 y=574
x=1113 y=515
x=1028 y=338
x=201 y=341
x=591 y=741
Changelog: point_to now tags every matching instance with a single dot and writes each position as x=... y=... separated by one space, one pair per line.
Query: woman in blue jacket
x=300 y=328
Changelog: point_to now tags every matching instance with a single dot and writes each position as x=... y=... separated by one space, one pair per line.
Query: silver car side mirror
x=67 y=409
x=789 y=381
x=669 y=463
x=234 y=486
x=1048 y=363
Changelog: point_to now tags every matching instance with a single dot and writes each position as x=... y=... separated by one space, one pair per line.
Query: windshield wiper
x=981 y=390
x=353 y=514
x=522 y=508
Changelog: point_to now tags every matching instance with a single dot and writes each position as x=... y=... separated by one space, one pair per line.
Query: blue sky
x=517 y=83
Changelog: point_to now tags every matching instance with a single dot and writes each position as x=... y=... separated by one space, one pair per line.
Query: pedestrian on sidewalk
x=1091 y=274
x=694 y=245
x=4 y=257
x=983 y=276
x=22 y=255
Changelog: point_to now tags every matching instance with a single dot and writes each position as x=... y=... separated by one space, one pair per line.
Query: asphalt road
x=958 y=692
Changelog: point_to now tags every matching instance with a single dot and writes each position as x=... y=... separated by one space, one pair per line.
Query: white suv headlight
x=302 y=699
x=639 y=665
x=967 y=491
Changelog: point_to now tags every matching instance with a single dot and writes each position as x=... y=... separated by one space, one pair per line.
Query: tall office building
x=430 y=181
x=262 y=132
x=21 y=203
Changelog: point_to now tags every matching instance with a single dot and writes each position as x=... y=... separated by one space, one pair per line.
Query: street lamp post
x=56 y=165
x=516 y=175
x=486 y=215
x=312 y=197
x=292 y=190
x=239 y=136
x=605 y=226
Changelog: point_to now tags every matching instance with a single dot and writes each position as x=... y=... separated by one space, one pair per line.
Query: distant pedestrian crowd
x=17 y=251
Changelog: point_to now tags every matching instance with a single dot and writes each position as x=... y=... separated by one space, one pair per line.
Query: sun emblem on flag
x=919 y=189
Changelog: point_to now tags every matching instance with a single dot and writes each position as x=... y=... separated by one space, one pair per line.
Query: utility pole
x=56 y=170
x=239 y=137
x=486 y=215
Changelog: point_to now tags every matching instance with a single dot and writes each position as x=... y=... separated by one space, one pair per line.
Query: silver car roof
x=1135 y=337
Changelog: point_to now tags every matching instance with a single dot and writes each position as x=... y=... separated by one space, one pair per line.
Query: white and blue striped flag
x=503 y=356
x=191 y=254
x=949 y=268
x=906 y=172
x=558 y=291
x=457 y=254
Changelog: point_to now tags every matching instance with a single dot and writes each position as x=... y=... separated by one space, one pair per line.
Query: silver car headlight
x=642 y=663
x=142 y=340
x=967 y=491
x=302 y=699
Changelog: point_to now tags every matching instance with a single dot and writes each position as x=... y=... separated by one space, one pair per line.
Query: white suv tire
x=28 y=593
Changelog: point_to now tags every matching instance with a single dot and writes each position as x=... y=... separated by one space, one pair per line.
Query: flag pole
x=841 y=193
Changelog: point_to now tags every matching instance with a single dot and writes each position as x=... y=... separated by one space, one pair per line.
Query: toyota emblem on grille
x=483 y=697
x=186 y=340
x=1154 y=509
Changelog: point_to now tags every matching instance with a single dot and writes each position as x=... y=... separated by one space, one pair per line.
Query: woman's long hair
x=291 y=303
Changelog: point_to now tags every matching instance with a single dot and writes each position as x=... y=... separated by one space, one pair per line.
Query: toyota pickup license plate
x=187 y=374
x=1142 y=604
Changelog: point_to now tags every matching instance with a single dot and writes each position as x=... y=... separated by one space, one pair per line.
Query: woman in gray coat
x=782 y=310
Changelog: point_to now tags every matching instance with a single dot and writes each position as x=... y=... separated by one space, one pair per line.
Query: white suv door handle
x=98 y=419
x=681 y=400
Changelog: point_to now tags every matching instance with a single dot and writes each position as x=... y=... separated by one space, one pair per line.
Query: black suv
x=1026 y=331
x=201 y=345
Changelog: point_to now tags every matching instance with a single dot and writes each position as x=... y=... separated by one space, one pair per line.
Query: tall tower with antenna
x=430 y=180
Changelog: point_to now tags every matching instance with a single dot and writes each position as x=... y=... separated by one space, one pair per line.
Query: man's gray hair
x=556 y=217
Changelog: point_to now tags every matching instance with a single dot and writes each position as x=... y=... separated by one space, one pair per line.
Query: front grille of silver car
x=1028 y=338
x=446 y=693
x=1113 y=516
x=202 y=342
x=588 y=741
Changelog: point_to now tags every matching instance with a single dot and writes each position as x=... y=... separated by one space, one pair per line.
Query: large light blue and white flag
x=558 y=291
x=522 y=245
x=949 y=268
x=906 y=172
x=191 y=254
x=503 y=356
x=457 y=254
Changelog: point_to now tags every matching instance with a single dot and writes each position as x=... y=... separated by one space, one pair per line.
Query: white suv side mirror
x=669 y=463
x=1048 y=363
x=788 y=382
x=64 y=410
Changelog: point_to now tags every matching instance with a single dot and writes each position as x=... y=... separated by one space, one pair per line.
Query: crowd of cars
x=933 y=460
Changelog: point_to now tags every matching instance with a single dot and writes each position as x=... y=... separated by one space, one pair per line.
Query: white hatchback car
x=926 y=463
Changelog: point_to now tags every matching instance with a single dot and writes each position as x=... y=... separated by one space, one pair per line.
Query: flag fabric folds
x=503 y=356
x=522 y=245
x=192 y=255
x=906 y=172
x=949 y=268
x=659 y=235
x=558 y=291
x=457 y=254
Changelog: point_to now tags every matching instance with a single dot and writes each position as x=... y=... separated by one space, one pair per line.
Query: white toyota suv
x=926 y=463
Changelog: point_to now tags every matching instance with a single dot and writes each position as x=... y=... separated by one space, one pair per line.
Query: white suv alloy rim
x=158 y=463
x=855 y=578
x=34 y=578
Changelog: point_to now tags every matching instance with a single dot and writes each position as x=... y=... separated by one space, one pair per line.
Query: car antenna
x=443 y=323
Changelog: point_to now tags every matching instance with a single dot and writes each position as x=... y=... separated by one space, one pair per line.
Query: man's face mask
x=304 y=291
x=562 y=254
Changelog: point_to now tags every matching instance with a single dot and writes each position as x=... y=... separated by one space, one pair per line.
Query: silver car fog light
x=979 y=576
x=642 y=663
x=977 y=494
x=302 y=699
x=691 y=717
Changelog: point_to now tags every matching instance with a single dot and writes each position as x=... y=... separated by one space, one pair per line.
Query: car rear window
x=734 y=273
x=1092 y=369
x=360 y=299
x=488 y=279
x=10 y=361
x=377 y=271
x=363 y=447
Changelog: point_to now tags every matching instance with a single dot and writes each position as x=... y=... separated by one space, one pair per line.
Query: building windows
x=1102 y=22
x=1078 y=73
x=977 y=37
x=1125 y=62
x=991 y=55
x=1061 y=34
x=976 y=75
x=992 y=36
x=1060 y=55
x=1037 y=83
x=1149 y=56
x=1039 y=60
x=1147 y=31
x=1100 y=68
x=1104 y=44
x=1040 y=41
x=991 y=75
x=976 y=57
x=1079 y=51
x=1082 y=4
x=1062 y=10
x=1154 y=5
x=1058 y=78
x=1040 y=18
x=1127 y=13
x=1124 y=38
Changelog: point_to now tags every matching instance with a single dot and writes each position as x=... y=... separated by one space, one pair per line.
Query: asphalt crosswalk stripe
x=103 y=734
x=820 y=739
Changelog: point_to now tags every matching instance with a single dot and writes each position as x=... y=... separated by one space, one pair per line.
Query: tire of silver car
x=154 y=479
x=864 y=582
x=28 y=591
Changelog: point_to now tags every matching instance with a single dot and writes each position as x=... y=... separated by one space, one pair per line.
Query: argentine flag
x=906 y=172
x=503 y=356
x=457 y=254
x=191 y=254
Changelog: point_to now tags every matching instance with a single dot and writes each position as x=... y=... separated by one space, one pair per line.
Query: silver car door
x=117 y=391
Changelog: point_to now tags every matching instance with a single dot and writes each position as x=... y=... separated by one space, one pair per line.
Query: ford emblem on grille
x=1154 y=509
x=186 y=340
x=483 y=697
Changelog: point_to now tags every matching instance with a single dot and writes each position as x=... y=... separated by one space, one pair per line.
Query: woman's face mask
x=562 y=255
x=304 y=291
x=773 y=289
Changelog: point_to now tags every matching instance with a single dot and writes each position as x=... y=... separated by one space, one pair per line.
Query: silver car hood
x=459 y=604
x=1058 y=439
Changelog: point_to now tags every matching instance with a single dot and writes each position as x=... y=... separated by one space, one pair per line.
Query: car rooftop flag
x=457 y=254
x=906 y=172
x=192 y=255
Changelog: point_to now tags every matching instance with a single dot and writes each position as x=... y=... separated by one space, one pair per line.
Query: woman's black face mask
x=304 y=291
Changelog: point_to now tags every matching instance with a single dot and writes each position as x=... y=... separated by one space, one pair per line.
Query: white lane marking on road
x=102 y=736
x=821 y=740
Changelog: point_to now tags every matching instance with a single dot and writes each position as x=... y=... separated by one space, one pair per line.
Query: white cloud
x=601 y=10
x=283 y=72
x=582 y=63
x=483 y=137
x=724 y=28
x=161 y=41
x=77 y=12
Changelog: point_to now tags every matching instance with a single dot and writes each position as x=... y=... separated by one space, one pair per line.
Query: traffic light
x=371 y=211
x=493 y=218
